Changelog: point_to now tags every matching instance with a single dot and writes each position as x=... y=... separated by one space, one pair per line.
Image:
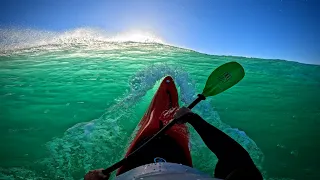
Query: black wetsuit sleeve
x=234 y=160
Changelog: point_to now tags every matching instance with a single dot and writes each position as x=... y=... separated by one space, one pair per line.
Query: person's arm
x=234 y=160
x=223 y=146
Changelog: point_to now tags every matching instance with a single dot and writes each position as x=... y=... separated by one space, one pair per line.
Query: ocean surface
x=70 y=101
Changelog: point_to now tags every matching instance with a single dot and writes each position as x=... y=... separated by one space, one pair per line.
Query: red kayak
x=173 y=146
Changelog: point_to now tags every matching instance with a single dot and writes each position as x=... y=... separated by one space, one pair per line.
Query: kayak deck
x=173 y=146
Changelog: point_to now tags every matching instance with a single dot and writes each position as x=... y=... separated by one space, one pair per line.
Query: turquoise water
x=70 y=102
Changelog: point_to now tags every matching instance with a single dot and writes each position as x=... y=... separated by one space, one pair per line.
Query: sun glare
x=137 y=36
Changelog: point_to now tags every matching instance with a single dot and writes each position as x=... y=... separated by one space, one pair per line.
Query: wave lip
x=12 y=39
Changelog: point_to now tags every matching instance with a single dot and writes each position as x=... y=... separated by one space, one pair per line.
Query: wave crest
x=12 y=39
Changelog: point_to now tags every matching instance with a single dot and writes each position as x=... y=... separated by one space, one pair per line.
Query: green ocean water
x=69 y=103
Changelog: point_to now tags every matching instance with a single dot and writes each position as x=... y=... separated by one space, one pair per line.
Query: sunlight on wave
x=14 y=38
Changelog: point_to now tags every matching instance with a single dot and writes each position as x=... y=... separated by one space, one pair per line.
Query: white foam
x=13 y=39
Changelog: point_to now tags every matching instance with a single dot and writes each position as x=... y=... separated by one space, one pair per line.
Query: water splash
x=144 y=81
x=16 y=40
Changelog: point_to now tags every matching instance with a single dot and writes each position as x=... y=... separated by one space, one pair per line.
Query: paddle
x=221 y=79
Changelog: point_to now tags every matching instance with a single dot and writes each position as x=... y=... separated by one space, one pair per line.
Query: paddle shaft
x=161 y=132
x=196 y=101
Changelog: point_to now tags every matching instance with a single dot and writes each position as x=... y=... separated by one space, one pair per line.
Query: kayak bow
x=157 y=116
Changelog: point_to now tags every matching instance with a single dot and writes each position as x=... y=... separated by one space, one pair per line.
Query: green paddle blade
x=222 y=78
